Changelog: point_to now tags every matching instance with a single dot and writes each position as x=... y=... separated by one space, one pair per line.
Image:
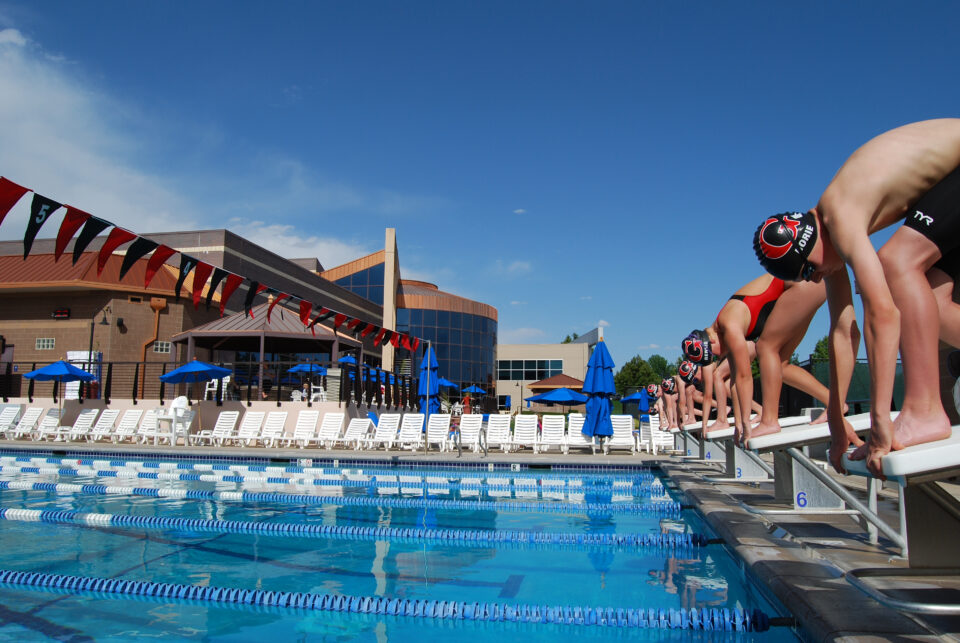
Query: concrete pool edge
x=801 y=577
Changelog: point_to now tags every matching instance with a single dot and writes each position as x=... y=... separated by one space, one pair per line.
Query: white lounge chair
x=221 y=432
x=385 y=432
x=470 y=425
x=524 y=432
x=26 y=425
x=273 y=427
x=356 y=433
x=411 y=431
x=498 y=432
x=552 y=433
x=305 y=430
x=330 y=429
x=81 y=426
x=653 y=437
x=103 y=426
x=575 y=437
x=438 y=430
x=622 y=437
x=149 y=427
x=127 y=428
x=250 y=426
x=8 y=418
x=49 y=425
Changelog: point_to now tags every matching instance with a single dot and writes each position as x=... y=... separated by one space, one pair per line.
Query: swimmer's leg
x=942 y=285
x=906 y=258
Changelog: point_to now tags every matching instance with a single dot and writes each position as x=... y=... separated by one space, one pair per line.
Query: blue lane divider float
x=667 y=508
x=465 y=537
x=707 y=619
x=374 y=483
x=640 y=479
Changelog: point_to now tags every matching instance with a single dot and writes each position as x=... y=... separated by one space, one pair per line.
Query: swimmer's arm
x=881 y=327
x=707 y=375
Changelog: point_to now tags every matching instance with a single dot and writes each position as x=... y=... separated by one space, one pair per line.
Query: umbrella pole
x=428 y=398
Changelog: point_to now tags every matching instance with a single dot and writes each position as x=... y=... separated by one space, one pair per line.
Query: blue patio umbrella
x=598 y=385
x=429 y=384
x=633 y=397
x=564 y=396
x=348 y=359
x=195 y=371
x=60 y=372
x=473 y=388
x=445 y=383
x=313 y=369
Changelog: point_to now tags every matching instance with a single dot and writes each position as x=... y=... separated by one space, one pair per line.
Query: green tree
x=822 y=349
x=568 y=339
x=659 y=365
x=633 y=374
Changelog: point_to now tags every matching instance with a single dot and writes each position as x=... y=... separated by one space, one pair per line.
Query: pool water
x=483 y=506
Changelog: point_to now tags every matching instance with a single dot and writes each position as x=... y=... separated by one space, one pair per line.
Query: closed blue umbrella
x=429 y=385
x=195 y=371
x=598 y=385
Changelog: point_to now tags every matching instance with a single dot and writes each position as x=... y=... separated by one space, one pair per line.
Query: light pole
x=103 y=322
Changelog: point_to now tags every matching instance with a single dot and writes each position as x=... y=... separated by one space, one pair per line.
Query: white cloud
x=288 y=241
x=586 y=298
x=518 y=303
x=648 y=347
x=520 y=335
x=12 y=37
x=519 y=211
x=513 y=268
x=603 y=324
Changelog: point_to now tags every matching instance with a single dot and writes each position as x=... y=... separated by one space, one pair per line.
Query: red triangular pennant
x=276 y=300
x=379 y=337
x=415 y=343
x=200 y=274
x=160 y=256
x=116 y=238
x=366 y=331
x=72 y=221
x=395 y=340
x=10 y=193
x=353 y=323
x=405 y=342
x=233 y=282
x=305 y=308
x=338 y=320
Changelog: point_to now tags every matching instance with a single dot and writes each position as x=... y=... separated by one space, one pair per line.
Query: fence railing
x=248 y=382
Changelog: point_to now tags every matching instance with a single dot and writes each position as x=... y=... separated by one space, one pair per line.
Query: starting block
x=742 y=465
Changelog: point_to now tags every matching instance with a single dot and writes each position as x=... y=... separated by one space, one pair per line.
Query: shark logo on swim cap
x=667 y=385
x=783 y=242
x=686 y=371
x=696 y=346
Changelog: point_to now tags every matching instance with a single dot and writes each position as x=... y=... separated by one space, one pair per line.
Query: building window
x=528 y=369
x=161 y=347
x=45 y=343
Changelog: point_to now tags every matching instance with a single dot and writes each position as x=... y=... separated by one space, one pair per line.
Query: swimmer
x=670 y=395
x=691 y=391
x=911 y=173
x=766 y=319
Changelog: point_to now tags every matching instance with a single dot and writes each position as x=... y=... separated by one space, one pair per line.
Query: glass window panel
x=455 y=351
x=403 y=316
x=375 y=294
x=443 y=351
x=443 y=318
x=377 y=275
x=541 y=364
x=516 y=364
x=416 y=317
x=361 y=278
x=443 y=335
x=456 y=336
x=556 y=365
x=456 y=320
x=429 y=318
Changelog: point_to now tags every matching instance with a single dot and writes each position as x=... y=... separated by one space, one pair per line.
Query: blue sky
x=573 y=164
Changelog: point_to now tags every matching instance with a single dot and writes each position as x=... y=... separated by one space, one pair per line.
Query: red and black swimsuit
x=760 y=307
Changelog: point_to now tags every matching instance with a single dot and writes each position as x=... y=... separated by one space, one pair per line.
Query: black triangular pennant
x=40 y=211
x=91 y=229
x=218 y=276
x=251 y=293
x=187 y=264
x=137 y=250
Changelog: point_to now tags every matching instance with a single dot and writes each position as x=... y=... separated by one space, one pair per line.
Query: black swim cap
x=696 y=346
x=784 y=241
x=668 y=384
x=686 y=371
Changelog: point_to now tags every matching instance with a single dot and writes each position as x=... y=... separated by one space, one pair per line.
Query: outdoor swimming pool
x=437 y=543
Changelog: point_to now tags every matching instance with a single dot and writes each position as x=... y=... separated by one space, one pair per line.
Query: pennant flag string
x=90 y=227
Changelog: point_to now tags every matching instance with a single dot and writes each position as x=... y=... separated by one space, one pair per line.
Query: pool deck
x=800 y=559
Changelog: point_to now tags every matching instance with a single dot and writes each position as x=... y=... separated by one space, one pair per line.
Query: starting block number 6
x=802 y=499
